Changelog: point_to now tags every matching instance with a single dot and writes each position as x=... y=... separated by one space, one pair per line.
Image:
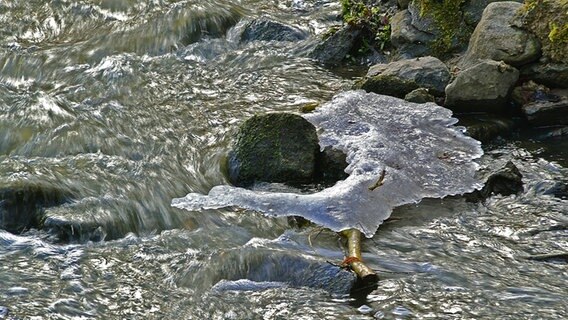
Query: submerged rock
x=199 y=24
x=90 y=219
x=22 y=205
x=548 y=73
x=275 y=147
x=547 y=113
x=488 y=129
x=264 y=29
x=495 y=38
x=505 y=181
x=398 y=153
x=263 y=264
x=485 y=87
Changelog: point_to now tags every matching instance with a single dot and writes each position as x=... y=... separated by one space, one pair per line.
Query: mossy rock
x=420 y=95
x=445 y=20
x=548 y=20
x=387 y=85
x=275 y=147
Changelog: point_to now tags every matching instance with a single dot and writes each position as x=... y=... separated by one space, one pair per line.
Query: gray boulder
x=335 y=46
x=497 y=39
x=264 y=29
x=409 y=41
x=473 y=10
x=406 y=76
x=485 y=87
x=275 y=147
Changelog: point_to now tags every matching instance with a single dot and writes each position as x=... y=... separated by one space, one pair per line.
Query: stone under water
x=398 y=153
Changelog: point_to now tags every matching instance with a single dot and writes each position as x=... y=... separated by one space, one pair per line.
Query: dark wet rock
x=547 y=113
x=330 y=166
x=505 y=181
x=531 y=91
x=22 y=205
x=487 y=130
x=559 y=190
x=420 y=95
x=473 y=10
x=401 y=77
x=555 y=133
x=275 y=147
x=551 y=74
x=409 y=41
x=336 y=46
x=485 y=87
x=495 y=38
x=403 y=4
x=264 y=29
x=387 y=85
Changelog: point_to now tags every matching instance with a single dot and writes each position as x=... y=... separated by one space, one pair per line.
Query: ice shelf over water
x=422 y=153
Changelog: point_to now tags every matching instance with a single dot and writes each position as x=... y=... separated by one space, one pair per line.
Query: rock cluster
x=500 y=67
x=510 y=46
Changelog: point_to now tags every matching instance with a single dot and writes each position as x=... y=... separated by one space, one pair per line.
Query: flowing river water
x=122 y=105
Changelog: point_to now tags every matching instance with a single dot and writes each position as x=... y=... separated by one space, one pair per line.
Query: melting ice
x=414 y=148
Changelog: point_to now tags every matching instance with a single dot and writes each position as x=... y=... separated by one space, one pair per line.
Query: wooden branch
x=380 y=181
x=354 y=259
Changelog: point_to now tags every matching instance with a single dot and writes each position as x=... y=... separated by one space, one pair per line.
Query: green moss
x=373 y=23
x=547 y=19
x=309 y=107
x=330 y=32
x=275 y=147
x=558 y=34
x=447 y=16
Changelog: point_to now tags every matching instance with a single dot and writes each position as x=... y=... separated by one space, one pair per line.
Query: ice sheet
x=422 y=153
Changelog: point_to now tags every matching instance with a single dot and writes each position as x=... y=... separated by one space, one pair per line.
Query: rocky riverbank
x=506 y=59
